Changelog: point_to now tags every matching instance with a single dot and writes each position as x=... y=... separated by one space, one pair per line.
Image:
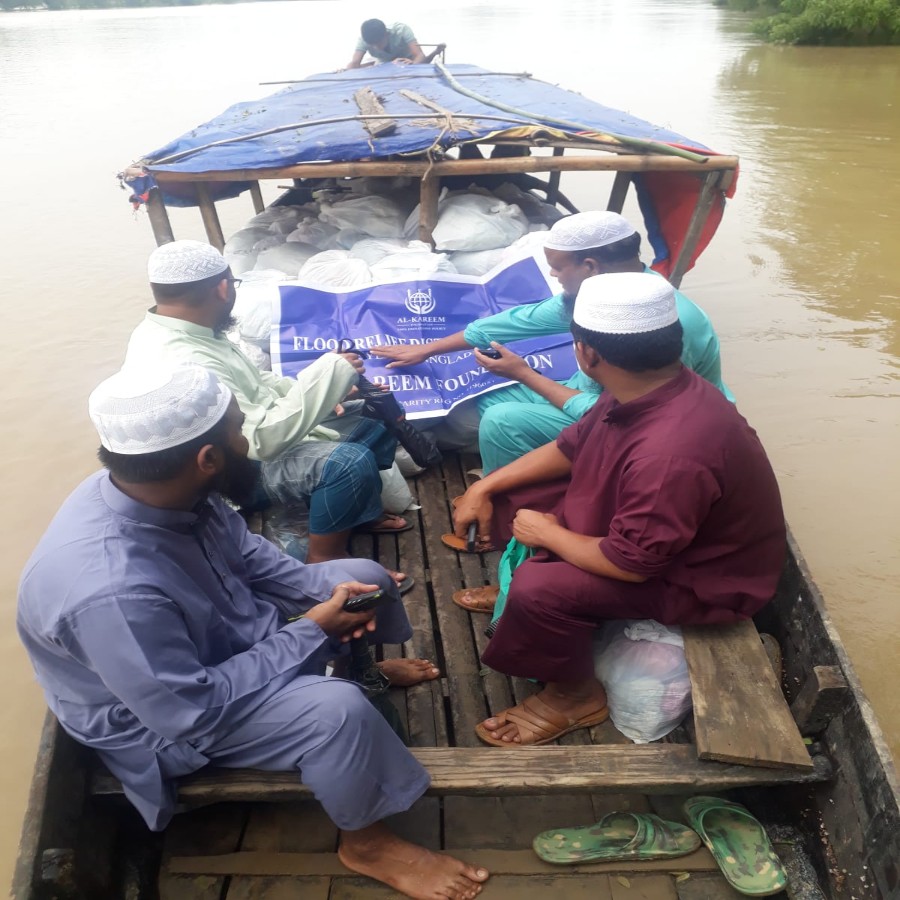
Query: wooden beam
x=257 y=197
x=553 y=181
x=701 y=212
x=210 y=217
x=619 y=191
x=824 y=695
x=740 y=713
x=417 y=169
x=490 y=772
x=370 y=105
x=159 y=218
x=428 y=207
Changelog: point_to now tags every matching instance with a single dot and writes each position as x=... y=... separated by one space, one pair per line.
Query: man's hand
x=510 y=365
x=356 y=361
x=474 y=506
x=330 y=616
x=402 y=354
x=531 y=527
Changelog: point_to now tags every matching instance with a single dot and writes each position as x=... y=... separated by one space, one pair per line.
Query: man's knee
x=365 y=570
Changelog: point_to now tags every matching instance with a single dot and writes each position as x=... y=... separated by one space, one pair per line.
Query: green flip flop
x=739 y=844
x=616 y=837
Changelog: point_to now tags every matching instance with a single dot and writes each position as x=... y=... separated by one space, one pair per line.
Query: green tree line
x=839 y=22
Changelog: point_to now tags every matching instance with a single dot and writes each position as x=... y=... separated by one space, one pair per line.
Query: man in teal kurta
x=526 y=415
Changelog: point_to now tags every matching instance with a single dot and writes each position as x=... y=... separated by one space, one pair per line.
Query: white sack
x=395 y=494
x=273 y=240
x=415 y=261
x=642 y=666
x=243 y=240
x=372 y=215
x=373 y=250
x=312 y=231
x=253 y=307
x=475 y=222
x=240 y=261
x=476 y=262
x=335 y=268
x=288 y=257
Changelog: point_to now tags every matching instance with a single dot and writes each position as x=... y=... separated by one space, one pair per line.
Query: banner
x=310 y=321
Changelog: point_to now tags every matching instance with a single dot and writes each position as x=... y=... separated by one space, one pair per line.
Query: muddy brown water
x=801 y=280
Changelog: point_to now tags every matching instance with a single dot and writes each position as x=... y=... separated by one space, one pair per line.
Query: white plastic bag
x=312 y=231
x=414 y=261
x=288 y=257
x=642 y=666
x=243 y=240
x=373 y=250
x=335 y=268
x=395 y=494
x=476 y=222
x=253 y=308
x=372 y=215
x=476 y=262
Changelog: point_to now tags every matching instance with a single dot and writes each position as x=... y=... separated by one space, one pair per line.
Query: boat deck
x=270 y=851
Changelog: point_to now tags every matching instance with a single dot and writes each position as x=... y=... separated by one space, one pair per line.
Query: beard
x=569 y=302
x=240 y=479
x=226 y=325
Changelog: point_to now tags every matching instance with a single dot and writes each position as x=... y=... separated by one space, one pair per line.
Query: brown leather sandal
x=538 y=723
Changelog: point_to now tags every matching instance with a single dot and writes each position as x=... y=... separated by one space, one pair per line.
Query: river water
x=801 y=280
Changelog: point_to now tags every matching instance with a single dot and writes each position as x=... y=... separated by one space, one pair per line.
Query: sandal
x=481 y=599
x=404 y=586
x=537 y=719
x=380 y=527
x=738 y=843
x=459 y=544
x=616 y=837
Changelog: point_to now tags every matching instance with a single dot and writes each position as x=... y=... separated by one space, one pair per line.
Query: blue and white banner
x=310 y=321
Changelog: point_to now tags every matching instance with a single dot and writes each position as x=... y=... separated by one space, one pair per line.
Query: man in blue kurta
x=533 y=411
x=166 y=636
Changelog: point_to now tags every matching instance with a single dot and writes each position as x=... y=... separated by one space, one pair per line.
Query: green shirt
x=399 y=38
x=278 y=411
x=550 y=316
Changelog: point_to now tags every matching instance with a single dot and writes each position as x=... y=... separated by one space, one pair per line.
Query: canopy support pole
x=256 y=196
x=618 y=192
x=428 y=206
x=159 y=218
x=698 y=220
x=553 y=180
x=210 y=217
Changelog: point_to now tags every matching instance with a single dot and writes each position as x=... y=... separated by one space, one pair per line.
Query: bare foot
x=407 y=672
x=572 y=702
x=414 y=871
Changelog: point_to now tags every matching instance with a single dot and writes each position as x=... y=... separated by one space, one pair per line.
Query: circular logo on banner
x=420 y=303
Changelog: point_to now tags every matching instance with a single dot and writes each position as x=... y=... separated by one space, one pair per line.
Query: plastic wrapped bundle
x=336 y=268
x=372 y=215
x=476 y=222
x=286 y=257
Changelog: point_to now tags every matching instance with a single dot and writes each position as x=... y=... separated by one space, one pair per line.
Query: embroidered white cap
x=182 y=262
x=625 y=303
x=137 y=411
x=587 y=230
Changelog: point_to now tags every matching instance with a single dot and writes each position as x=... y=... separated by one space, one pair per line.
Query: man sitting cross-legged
x=166 y=636
x=659 y=504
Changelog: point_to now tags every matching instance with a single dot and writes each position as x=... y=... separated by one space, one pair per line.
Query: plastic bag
x=373 y=250
x=372 y=215
x=253 y=308
x=287 y=257
x=476 y=262
x=312 y=231
x=475 y=222
x=335 y=268
x=243 y=240
x=395 y=494
x=642 y=666
x=415 y=261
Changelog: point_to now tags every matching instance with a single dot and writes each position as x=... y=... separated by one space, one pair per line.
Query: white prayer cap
x=136 y=411
x=587 y=230
x=182 y=262
x=625 y=303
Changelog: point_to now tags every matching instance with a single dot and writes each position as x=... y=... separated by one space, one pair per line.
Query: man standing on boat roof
x=308 y=453
x=166 y=636
x=395 y=44
x=659 y=504
x=526 y=415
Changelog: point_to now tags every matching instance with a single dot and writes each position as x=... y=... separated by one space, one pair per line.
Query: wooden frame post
x=428 y=207
x=210 y=217
x=698 y=220
x=159 y=218
x=257 y=197
x=619 y=192
x=553 y=180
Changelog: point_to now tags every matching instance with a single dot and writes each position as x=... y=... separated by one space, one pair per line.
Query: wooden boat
x=832 y=807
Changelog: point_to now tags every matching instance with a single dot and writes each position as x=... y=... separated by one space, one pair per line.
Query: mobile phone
x=470 y=536
x=365 y=602
x=492 y=352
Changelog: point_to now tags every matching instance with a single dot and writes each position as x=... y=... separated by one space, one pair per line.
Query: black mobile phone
x=470 y=536
x=365 y=602
x=492 y=352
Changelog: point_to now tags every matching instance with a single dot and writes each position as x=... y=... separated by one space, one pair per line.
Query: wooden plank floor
x=280 y=851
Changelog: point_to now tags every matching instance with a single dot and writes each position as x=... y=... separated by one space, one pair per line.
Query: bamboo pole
x=257 y=197
x=159 y=218
x=619 y=191
x=210 y=217
x=698 y=220
x=428 y=207
x=418 y=168
x=553 y=180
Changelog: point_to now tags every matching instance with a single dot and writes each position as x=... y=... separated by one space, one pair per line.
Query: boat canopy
x=401 y=120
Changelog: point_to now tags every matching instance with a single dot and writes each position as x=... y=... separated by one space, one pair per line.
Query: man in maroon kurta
x=660 y=503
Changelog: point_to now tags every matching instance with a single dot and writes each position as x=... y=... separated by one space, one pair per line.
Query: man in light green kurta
x=308 y=454
x=532 y=412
